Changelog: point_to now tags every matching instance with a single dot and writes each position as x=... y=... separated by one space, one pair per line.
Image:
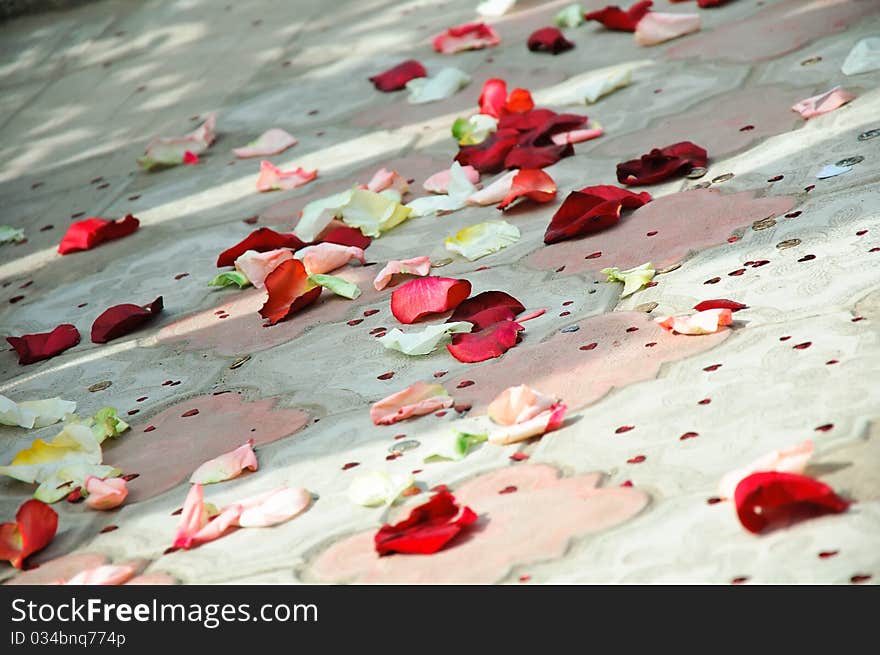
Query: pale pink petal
x=415 y=400
x=790 y=460
x=256 y=266
x=708 y=321
x=105 y=494
x=577 y=136
x=472 y=36
x=416 y=266
x=439 y=182
x=217 y=526
x=518 y=404
x=204 y=134
x=384 y=179
x=193 y=517
x=227 y=466
x=272 y=177
x=270 y=142
x=172 y=150
x=273 y=507
x=326 y=257
x=495 y=192
x=823 y=103
x=109 y=574
x=543 y=423
x=657 y=27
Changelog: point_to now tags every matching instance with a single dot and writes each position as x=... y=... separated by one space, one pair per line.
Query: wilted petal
x=106 y=575
x=823 y=103
x=34 y=528
x=705 y=322
x=473 y=36
x=326 y=257
x=658 y=27
x=273 y=178
x=396 y=78
x=444 y=84
x=91 y=232
x=105 y=493
x=788 y=460
x=482 y=239
x=415 y=400
x=120 y=320
x=420 y=266
x=633 y=279
x=270 y=142
x=661 y=163
x=424 y=341
x=615 y=18
x=34 y=413
x=257 y=266
x=289 y=291
x=377 y=488
x=227 y=466
x=430 y=295
x=170 y=151
x=45 y=345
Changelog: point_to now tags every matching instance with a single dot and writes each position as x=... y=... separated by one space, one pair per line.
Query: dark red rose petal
x=346 y=236
x=427 y=295
x=289 y=291
x=485 y=305
x=537 y=156
x=489 y=156
x=661 y=164
x=396 y=78
x=35 y=526
x=549 y=39
x=581 y=214
x=91 y=232
x=720 y=303
x=765 y=498
x=427 y=529
x=261 y=240
x=487 y=343
x=119 y=320
x=628 y=199
x=615 y=18
x=37 y=347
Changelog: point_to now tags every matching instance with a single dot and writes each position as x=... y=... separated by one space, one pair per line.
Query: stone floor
x=83 y=91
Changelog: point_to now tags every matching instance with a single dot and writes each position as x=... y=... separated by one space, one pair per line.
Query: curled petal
x=658 y=27
x=495 y=192
x=532 y=184
x=415 y=400
x=493 y=97
x=720 y=304
x=540 y=424
x=270 y=142
x=427 y=529
x=482 y=239
x=119 y=320
x=487 y=308
x=37 y=347
x=425 y=296
x=633 y=279
x=489 y=155
x=289 y=291
x=490 y=342
x=581 y=214
x=326 y=257
x=383 y=179
x=708 y=321
x=823 y=103
x=337 y=285
x=193 y=517
x=518 y=404
x=473 y=36
x=628 y=199
x=788 y=460
x=549 y=39
x=661 y=163
x=420 y=266
x=394 y=79
x=274 y=507
x=105 y=493
x=34 y=528
x=257 y=266
x=227 y=466
x=423 y=342
x=273 y=178
x=439 y=182
x=34 y=413
x=260 y=240
x=170 y=151
x=769 y=497
x=91 y=232
x=615 y=18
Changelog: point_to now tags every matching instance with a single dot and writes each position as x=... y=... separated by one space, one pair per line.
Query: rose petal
x=428 y=528
x=416 y=400
x=581 y=214
x=487 y=343
x=538 y=425
x=226 y=466
x=578 y=136
x=720 y=304
x=571 y=16
x=474 y=129
x=420 y=266
x=487 y=308
x=395 y=78
x=273 y=178
x=425 y=296
x=106 y=575
x=439 y=182
x=863 y=58
x=170 y=151
x=372 y=213
x=337 y=285
x=34 y=413
x=662 y=163
x=91 y=232
x=615 y=18
x=633 y=279
x=658 y=27
x=257 y=266
x=495 y=192
x=326 y=257
x=270 y=142
x=472 y=36
x=445 y=84
x=383 y=179
x=535 y=185
x=495 y=7
x=9 y=234
x=376 y=488
x=119 y=320
x=289 y=291
x=765 y=498
x=346 y=236
x=789 y=460
x=273 y=507
x=518 y=404
x=424 y=341
x=105 y=493
x=549 y=39
x=489 y=156
x=494 y=100
x=260 y=240
x=459 y=190
x=34 y=528
x=482 y=239
x=37 y=347
x=708 y=321
x=823 y=103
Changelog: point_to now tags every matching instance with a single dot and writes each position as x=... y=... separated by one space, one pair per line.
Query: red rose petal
x=190 y=158
x=628 y=199
x=530 y=183
x=346 y=236
x=35 y=526
x=493 y=97
x=720 y=303
x=768 y=497
x=427 y=295
x=519 y=101
x=427 y=529
x=91 y=232
x=396 y=78
x=289 y=291
x=615 y=18
x=489 y=156
x=549 y=39
x=492 y=341
x=484 y=307
x=581 y=214
x=661 y=163
x=261 y=240
x=37 y=347
x=119 y=320
x=537 y=156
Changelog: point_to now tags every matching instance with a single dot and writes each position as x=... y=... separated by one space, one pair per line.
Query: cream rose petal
x=439 y=182
x=270 y=142
x=372 y=213
x=444 y=84
x=416 y=400
x=657 y=27
x=863 y=58
x=377 y=488
x=482 y=239
x=788 y=460
x=34 y=413
x=708 y=321
x=273 y=507
x=424 y=341
x=316 y=215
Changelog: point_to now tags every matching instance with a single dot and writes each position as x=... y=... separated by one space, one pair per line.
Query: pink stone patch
x=684 y=222
x=532 y=525
x=167 y=456
x=561 y=368
x=774 y=31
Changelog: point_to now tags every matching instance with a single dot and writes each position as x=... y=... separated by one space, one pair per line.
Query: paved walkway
x=82 y=92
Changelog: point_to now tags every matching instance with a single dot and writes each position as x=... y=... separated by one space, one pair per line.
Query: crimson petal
x=487 y=343
x=615 y=18
x=119 y=320
x=720 y=303
x=427 y=529
x=770 y=497
x=661 y=163
x=427 y=295
x=489 y=156
x=581 y=214
x=37 y=347
x=549 y=39
x=35 y=526
x=628 y=199
x=262 y=240
x=396 y=78
x=91 y=232
x=346 y=236
x=487 y=301
x=537 y=156
x=493 y=97
x=289 y=291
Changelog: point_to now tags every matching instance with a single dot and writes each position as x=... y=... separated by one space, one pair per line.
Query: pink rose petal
x=577 y=136
x=227 y=466
x=257 y=265
x=416 y=266
x=823 y=103
x=439 y=182
x=384 y=179
x=273 y=178
x=326 y=257
x=108 y=574
x=416 y=400
x=105 y=493
x=518 y=404
x=495 y=192
x=270 y=142
x=708 y=321
x=657 y=27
